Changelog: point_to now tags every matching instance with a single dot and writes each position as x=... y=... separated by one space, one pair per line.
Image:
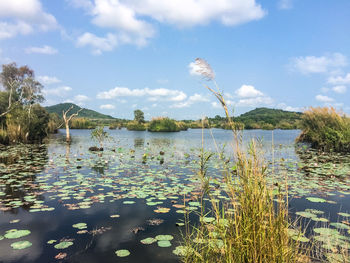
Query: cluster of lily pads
x=32 y=179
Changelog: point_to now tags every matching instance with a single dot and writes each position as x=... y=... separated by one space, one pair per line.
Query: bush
x=326 y=129
x=135 y=126
x=163 y=124
x=82 y=123
x=27 y=125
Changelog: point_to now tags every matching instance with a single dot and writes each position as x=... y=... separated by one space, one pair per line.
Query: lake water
x=131 y=192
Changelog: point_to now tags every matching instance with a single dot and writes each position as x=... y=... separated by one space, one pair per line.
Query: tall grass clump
x=326 y=129
x=253 y=224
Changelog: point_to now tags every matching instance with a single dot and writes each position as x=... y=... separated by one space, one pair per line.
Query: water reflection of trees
x=19 y=166
x=139 y=142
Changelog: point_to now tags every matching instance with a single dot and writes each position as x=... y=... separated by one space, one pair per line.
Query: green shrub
x=326 y=129
x=135 y=126
x=82 y=123
x=163 y=124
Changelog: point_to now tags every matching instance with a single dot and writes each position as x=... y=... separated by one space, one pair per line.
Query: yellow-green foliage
x=326 y=129
x=163 y=124
x=136 y=126
x=82 y=123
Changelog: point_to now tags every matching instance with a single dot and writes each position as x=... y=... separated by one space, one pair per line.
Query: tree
x=20 y=87
x=100 y=135
x=67 y=119
x=139 y=116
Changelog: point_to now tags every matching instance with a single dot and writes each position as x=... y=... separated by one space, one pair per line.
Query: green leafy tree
x=100 y=135
x=139 y=116
x=20 y=87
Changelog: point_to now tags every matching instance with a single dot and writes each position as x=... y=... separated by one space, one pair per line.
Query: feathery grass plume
x=252 y=225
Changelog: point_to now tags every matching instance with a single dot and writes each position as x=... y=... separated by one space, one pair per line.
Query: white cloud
x=339 y=80
x=323 y=64
x=10 y=30
x=46 y=50
x=59 y=92
x=285 y=107
x=47 y=80
x=285 y=4
x=152 y=94
x=255 y=102
x=247 y=91
x=339 y=89
x=191 y=100
x=323 y=98
x=81 y=98
x=133 y=20
x=18 y=17
x=107 y=106
x=98 y=44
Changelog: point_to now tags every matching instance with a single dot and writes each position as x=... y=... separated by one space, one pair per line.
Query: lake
x=87 y=205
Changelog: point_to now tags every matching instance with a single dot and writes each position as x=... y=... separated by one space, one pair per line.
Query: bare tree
x=67 y=119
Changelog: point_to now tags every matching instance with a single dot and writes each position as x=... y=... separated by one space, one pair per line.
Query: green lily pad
x=14 y=233
x=164 y=243
x=164 y=237
x=80 y=225
x=316 y=200
x=63 y=245
x=148 y=241
x=122 y=253
x=21 y=244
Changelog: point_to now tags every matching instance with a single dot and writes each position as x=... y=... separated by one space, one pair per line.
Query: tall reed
x=253 y=225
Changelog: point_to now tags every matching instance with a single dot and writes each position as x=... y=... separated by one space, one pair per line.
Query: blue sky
x=115 y=56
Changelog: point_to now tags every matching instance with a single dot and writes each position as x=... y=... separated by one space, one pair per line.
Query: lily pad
x=164 y=243
x=21 y=244
x=122 y=253
x=14 y=233
x=80 y=225
x=63 y=245
x=148 y=241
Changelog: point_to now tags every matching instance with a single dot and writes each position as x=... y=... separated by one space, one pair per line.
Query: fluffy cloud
x=107 y=107
x=323 y=64
x=247 y=91
x=339 y=80
x=98 y=44
x=47 y=80
x=339 y=89
x=20 y=17
x=249 y=96
x=45 y=50
x=130 y=19
x=152 y=94
x=191 y=100
x=285 y=107
x=81 y=98
x=323 y=98
x=58 y=92
x=254 y=102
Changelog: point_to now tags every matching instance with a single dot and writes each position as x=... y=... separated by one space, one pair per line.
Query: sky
x=115 y=56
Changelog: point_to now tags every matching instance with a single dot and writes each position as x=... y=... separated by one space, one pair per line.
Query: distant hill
x=270 y=118
x=263 y=118
x=86 y=113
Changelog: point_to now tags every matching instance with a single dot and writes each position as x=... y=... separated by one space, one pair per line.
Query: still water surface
x=119 y=193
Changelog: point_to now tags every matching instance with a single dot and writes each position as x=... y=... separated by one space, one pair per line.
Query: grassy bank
x=326 y=129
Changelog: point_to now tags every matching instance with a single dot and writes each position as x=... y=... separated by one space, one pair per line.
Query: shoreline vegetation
x=24 y=120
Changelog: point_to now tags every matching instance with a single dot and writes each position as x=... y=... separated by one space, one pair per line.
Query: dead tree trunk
x=68 y=119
